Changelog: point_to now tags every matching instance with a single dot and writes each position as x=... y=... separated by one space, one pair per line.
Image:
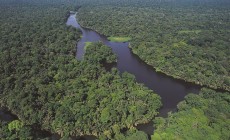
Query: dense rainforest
x=203 y=116
x=45 y=86
x=186 y=39
x=50 y=91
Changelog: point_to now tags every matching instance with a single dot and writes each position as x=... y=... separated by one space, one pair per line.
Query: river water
x=171 y=90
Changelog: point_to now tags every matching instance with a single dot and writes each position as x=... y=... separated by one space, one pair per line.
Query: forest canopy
x=50 y=91
x=186 y=39
x=203 y=116
x=44 y=84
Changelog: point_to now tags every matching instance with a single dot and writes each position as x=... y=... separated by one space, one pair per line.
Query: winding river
x=171 y=90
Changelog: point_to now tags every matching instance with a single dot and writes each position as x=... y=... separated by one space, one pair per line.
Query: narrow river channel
x=171 y=90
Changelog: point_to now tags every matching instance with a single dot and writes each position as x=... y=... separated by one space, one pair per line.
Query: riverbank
x=168 y=73
x=168 y=51
x=144 y=74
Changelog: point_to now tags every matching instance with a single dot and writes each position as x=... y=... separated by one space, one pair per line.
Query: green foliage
x=16 y=130
x=131 y=135
x=87 y=44
x=103 y=53
x=119 y=39
x=105 y=115
x=38 y=69
x=15 y=125
x=189 y=31
x=177 y=37
x=204 y=116
x=43 y=83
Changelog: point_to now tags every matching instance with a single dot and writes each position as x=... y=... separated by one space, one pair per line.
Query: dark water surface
x=171 y=90
x=6 y=115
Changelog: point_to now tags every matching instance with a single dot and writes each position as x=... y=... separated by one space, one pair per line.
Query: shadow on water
x=171 y=90
x=6 y=115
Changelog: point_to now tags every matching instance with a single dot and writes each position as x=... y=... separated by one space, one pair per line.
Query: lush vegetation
x=31 y=133
x=13 y=130
x=50 y=91
x=186 y=39
x=203 y=116
x=119 y=39
x=46 y=87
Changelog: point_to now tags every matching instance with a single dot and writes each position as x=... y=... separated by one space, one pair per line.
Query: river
x=171 y=90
